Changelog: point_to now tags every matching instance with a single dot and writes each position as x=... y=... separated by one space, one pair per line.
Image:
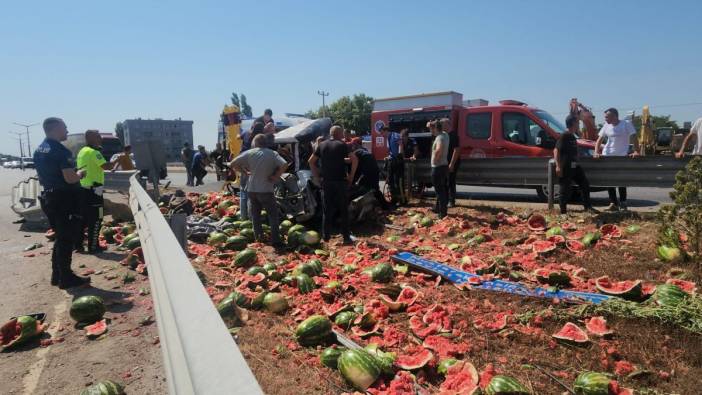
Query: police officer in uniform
x=91 y=160
x=59 y=179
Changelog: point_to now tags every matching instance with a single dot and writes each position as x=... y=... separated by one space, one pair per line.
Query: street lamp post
x=323 y=94
x=19 y=138
x=29 y=148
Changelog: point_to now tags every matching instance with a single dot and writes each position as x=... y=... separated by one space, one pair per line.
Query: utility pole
x=29 y=148
x=323 y=94
x=19 y=138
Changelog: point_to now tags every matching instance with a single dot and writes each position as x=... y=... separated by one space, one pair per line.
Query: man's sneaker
x=613 y=207
x=73 y=281
x=622 y=205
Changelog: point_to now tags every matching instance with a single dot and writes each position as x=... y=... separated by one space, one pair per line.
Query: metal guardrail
x=118 y=180
x=497 y=171
x=25 y=200
x=200 y=356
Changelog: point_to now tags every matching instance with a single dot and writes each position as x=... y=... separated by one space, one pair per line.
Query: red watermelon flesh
x=568 y=226
x=444 y=347
x=543 y=246
x=571 y=333
x=421 y=329
x=598 y=327
x=610 y=231
x=494 y=323
x=439 y=316
x=556 y=239
x=627 y=289
x=687 y=286
x=647 y=289
x=536 y=222
x=403 y=383
x=615 y=389
x=487 y=374
x=576 y=235
x=461 y=378
x=414 y=358
x=96 y=329
x=408 y=296
x=575 y=246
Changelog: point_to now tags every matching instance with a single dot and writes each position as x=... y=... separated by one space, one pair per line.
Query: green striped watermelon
x=245 y=257
x=505 y=385
x=314 y=330
x=669 y=295
x=359 y=368
x=592 y=383
x=104 y=387
x=87 y=309
x=275 y=302
x=330 y=356
x=305 y=283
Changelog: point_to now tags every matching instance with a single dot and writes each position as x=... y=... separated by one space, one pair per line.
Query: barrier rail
x=118 y=180
x=200 y=356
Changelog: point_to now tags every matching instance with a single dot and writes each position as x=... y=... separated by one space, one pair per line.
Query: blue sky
x=95 y=63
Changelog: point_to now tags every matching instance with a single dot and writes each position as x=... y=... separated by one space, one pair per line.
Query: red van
x=508 y=129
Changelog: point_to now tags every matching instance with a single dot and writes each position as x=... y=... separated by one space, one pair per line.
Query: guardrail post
x=551 y=177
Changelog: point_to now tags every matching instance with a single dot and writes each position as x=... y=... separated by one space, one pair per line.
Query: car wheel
x=542 y=193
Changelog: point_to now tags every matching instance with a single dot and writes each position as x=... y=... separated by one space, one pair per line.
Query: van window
x=478 y=125
x=520 y=129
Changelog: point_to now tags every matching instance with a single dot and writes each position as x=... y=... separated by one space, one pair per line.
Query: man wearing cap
x=59 y=179
x=90 y=158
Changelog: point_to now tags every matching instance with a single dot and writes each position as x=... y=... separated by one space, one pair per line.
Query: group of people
x=72 y=195
x=197 y=162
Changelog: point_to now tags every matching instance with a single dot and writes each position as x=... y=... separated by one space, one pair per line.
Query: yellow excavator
x=231 y=122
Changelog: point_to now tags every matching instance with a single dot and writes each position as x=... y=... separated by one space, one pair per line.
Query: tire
x=542 y=193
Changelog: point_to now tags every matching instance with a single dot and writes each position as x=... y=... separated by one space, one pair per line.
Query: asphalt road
x=639 y=199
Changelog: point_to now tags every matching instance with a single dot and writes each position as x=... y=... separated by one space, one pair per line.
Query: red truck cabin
x=509 y=129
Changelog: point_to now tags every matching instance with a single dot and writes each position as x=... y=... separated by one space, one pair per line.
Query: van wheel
x=542 y=192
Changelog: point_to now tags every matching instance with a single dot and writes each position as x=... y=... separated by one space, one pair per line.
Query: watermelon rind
x=87 y=309
x=443 y=366
x=668 y=254
x=330 y=356
x=415 y=361
x=29 y=328
x=505 y=385
x=384 y=360
x=345 y=319
x=359 y=368
x=633 y=292
x=669 y=295
x=105 y=387
x=592 y=383
x=572 y=334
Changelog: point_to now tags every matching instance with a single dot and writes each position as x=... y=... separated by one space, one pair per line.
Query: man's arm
x=437 y=149
x=354 y=167
x=71 y=176
x=454 y=158
x=557 y=158
x=685 y=141
x=598 y=146
x=416 y=152
x=313 y=167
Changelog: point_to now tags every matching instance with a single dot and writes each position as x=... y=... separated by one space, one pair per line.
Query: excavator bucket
x=646 y=141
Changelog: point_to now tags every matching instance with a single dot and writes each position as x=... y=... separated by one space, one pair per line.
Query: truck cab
x=508 y=129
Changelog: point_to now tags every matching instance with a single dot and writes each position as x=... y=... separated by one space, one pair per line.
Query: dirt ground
x=643 y=354
x=64 y=360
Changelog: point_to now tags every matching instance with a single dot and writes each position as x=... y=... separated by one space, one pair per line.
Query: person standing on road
x=696 y=134
x=264 y=168
x=439 y=167
x=199 y=166
x=216 y=158
x=394 y=164
x=59 y=179
x=618 y=134
x=247 y=138
x=90 y=159
x=335 y=181
x=367 y=174
x=186 y=156
x=567 y=168
x=454 y=152
x=124 y=160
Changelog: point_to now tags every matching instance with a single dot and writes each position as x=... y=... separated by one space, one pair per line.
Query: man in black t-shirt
x=454 y=160
x=334 y=180
x=367 y=175
x=567 y=168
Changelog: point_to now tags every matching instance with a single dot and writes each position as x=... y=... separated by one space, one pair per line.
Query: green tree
x=245 y=107
x=351 y=112
x=235 y=99
x=119 y=132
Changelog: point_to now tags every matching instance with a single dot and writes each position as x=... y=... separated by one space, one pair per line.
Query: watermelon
x=19 y=330
x=407 y=296
x=610 y=231
x=380 y=273
x=311 y=238
x=571 y=334
x=687 y=286
x=216 y=238
x=552 y=277
x=445 y=363
x=632 y=229
x=414 y=358
x=592 y=383
x=426 y=222
x=305 y=284
x=669 y=295
x=575 y=246
x=461 y=378
x=668 y=254
x=87 y=309
x=628 y=289
x=543 y=246
x=132 y=243
x=349 y=268
x=275 y=302
x=104 y=387
x=590 y=238
x=392 y=239
x=285 y=226
x=536 y=222
x=245 y=257
x=345 y=319
x=236 y=243
x=108 y=233
x=246 y=224
x=505 y=385
x=555 y=231
x=598 y=327
x=248 y=233
x=359 y=368
x=314 y=330
x=96 y=329
x=384 y=360
x=257 y=300
x=330 y=356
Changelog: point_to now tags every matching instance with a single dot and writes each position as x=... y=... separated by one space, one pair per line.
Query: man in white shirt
x=694 y=133
x=618 y=134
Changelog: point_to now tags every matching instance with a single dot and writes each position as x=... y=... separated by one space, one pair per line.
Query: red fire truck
x=508 y=129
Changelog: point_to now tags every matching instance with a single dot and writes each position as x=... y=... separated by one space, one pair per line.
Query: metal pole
x=29 y=147
x=323 y=94
x=19 y=138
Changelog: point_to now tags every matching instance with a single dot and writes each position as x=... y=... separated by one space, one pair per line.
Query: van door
x=477 y=133
x=521 y=136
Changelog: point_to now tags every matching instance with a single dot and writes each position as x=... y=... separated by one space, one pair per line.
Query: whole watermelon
x=305 y=283
x=505 y=385
x=87 y=309
x=248 y=233
x=105 y=387
x=359 y=368
x=236 y=243
x=311 y=238
x=592 y=383
x=245 y=257
x=330 y=356
x=669 y=295
x=133 y=243
x=216 y=238
x=314 y=330
x=275 y=302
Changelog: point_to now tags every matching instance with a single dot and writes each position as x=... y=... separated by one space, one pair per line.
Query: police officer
x=59 y=179
x=91 y=160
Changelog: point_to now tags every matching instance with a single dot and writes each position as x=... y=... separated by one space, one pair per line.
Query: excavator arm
x=585 y=116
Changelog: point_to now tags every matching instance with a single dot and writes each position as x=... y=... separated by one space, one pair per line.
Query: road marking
x=31 y=379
